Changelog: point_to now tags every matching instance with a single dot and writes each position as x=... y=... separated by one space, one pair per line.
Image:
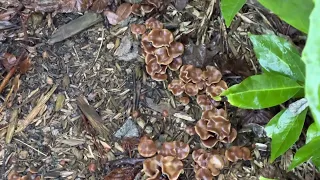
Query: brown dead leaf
x=8 y=60
x=8 y=14
x=123 y=173
x=83 y=5
x=99 y=6
x=124 y=10
x=112 y=17
x=24 y=65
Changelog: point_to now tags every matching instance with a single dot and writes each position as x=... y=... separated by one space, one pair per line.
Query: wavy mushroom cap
x=136 y=9
x=149 y=57
x=203 y=174
x=147 y=147
x=160 y=37
x=182 y=150
x=159 y=76
x=151 y=167
x=184 y=73
x=205 y=102
x=176 y=87
x=175 y=49
x=175 y=64
x=231 y=137
x=168 y=149
x=216 y=89
x=211 y=75
x=220 y=126
x=147 y=47
x=172 y=167
x=162 y=56
x=195 y=74
x=153 y=23
x=153 y=67
x=191 y=89
x=209 y=114
x=235 y=153
x=184 y=100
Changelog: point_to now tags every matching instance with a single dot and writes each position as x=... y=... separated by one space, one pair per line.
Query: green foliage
x=276 y=54
x=229 y=9
x=273 y=123
x=286 y=132
x=312 y=132
x=262 y=91
x=263 y=178
x=294 y=12
x=306 y=152
x=311 y=57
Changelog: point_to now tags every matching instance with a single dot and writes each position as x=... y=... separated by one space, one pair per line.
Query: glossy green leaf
x=276 y=54
x=273 y=123
x=263 y=178
x=294 y=12
x=286 y=132
x=229 y=9
x=262 y=91
x=305 y=153
x=311 y=57
x=312 y=132
x=316 y=160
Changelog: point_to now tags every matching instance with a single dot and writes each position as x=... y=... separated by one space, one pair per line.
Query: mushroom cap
x=159 y=76
x=220 y=126
x=153 y=67
x=201 y=129
x=168 y=149
x=184 y=100
x=201 y=85
x=175 y=49
x=195 y=74
x=196 y=154
x=235 y=153
x=215 y=161
x=149 y=58
x=162 y=56
x=147 y=147
x=153 y=23
x=146 y=8
x=147 y=46
x=138 y=28
x=203 y=173
x=175 y=64
x=176 y=87
x=211 y=75
x=209 y=114
x=151 y=167
x=231 y=137
x=136 y=9
x=184 y=73
x=191 y=89
x=205 y=102
x=210 y=142
x=160 y=37
x=172 y=167
x=124 y=10
x=182 y=150
x=246 y=153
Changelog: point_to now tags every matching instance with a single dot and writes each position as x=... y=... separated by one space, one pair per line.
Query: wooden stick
x=5 y=81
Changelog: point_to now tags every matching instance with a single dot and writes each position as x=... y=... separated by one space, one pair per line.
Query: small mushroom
x=203 y=173
x=184 y=100
x=175 y=64
x=191 y=89
x=176 y=87
x=168 y=149
x=182 y=150
x=196 y=154
x=175 y=49
x=147 y=147
x=184 y=73
x=153 y=67
x=236 y=153
x=209 y=114
x=153 y=23
x=159 y=77
x=195 y=74
x=211 y=75
x=172 y=167
x=160 y=37
x=215 y=163
x=216 y=89
x=138 y=29
x=151 y=167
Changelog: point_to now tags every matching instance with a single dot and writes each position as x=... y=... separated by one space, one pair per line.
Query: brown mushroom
x=175 y=49
x=209 y=114
x=168 y=149
x=201 y=85
x=231 y=137
x=215 y=163
x=236 y=153
x=151 y=167
x=220 y=126
x=153 y=67
x=196 y=154
x=175 y=64
x=210 y=142
x=191 y=89
x=162 y=56
x=160 y=37
x=184 y=100
x=172 y=167
x=147 y=46
x=149 y=58
x=211 y=75
x=138 y=29
x=205 y=102
x=159 y=76
x=216 y=89
x=208 y=139
x=182 y=150
x=153 y=23
x=147 y=147
x=184 y=73
x=146 y=8
x=203 y=173
x=195 y=74
x=176 y=87
x=136 y=9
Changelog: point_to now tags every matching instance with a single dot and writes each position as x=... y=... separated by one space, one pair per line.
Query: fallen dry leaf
x=24 y=65
x=112 y=17
x=123 y=173
x=8 y=60
x=124 y=10
x=99 y=5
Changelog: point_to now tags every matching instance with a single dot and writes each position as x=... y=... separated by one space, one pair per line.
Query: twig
x=12 y=125
x=36 y=110
x=102 y=36
x=30 y=147
x=75 y=51
x=7 y=78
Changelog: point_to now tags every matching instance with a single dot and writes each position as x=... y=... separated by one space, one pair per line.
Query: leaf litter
x=64 y=136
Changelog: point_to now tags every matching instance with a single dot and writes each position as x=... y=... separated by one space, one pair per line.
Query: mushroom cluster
x=207 y=165
x=214 y=127
x=145 y=7
x=160 y=51
x=194 y=81
x=167 y=161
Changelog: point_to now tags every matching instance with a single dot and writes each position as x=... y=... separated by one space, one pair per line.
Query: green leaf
x=269 y=128
x=263 y=178
x=286 y=132
x=305 y=153
x=262 y=91
x=229 y=9
x=312 y=132
x=294 y=12
x=276 y=54
x=311 y=57
x=316 y=161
